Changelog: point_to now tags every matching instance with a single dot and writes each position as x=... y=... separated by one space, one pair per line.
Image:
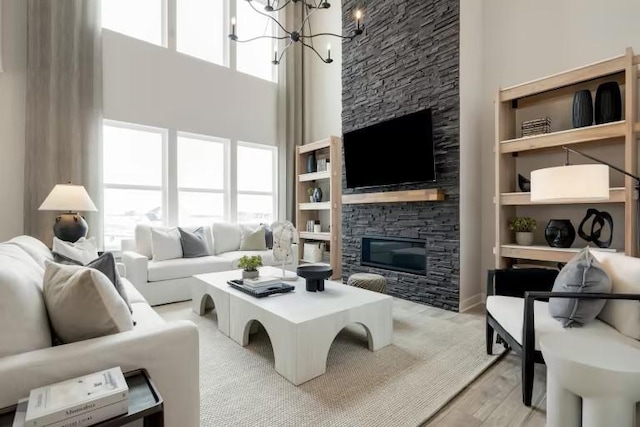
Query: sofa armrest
x=514 y=282
x=168 y=351
x=136 y=267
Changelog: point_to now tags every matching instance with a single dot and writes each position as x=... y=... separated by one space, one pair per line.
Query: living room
x=415 y=175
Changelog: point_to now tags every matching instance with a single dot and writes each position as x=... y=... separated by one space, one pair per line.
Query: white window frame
x=274 y=185
x=226 y=190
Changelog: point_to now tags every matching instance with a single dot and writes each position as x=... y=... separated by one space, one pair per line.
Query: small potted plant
x=523 y=226
x=249 y=266
x=310 y=193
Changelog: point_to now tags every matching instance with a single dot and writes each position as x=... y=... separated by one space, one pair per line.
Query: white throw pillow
x=165 y=244
x=226 y=237
x=83 y=303
x=253 y=239
x=83 y=251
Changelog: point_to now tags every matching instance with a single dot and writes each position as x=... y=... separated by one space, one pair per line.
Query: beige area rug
x=434 y=355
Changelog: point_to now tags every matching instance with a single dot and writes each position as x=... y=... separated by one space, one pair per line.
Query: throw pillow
x=194 y=244
x=582 y=274
x=82 y=303
x=165 y=244
x=253 y=240
x=83 y=251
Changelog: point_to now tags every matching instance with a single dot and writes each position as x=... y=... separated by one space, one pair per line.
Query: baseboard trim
x=469 y=303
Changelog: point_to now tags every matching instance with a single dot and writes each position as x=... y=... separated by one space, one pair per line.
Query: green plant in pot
x=249 y=266
x=310 y=193
x=523 y=226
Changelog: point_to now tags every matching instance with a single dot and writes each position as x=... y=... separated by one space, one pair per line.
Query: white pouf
x=603 y=371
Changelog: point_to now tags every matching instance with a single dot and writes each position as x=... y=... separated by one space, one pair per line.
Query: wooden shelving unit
x=328 y=211
x=428 y=195
x=622 y=69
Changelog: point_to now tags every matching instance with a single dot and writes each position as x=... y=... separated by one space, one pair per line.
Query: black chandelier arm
x=261 y=37
x=326 y=34
x=306 y=19
x=279 y=8
x=316 y=52
x=270 y=17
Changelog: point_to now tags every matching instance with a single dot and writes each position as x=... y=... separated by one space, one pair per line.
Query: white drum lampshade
x=587 y=182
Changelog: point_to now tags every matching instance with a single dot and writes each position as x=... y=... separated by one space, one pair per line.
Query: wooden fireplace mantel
x=428 y=195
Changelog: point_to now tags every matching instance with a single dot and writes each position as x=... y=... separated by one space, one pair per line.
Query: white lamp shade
x=68 y=197
x=586 y=182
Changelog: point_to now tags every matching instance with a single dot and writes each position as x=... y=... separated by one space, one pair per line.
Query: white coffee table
x=301 y=325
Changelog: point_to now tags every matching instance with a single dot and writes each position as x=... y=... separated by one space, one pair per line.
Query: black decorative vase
x=582 y=109
x=317 y=195
x=70 y=227
x=314 y=275
x=560 y=233
x=312 y=165
x=608 y=107
x=524 y=184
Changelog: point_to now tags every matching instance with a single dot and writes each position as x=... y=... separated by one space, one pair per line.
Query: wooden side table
x=144 y=403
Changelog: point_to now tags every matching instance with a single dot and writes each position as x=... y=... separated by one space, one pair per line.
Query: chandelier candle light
x=297 y=36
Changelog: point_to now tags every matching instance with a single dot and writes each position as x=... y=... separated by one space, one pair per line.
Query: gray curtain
x=64 y=108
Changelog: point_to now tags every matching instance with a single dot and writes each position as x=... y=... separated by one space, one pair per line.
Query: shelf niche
x=430 y=195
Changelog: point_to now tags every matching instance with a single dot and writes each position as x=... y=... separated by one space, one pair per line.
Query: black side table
x=144 y=403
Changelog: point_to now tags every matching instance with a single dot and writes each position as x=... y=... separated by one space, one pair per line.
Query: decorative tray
x=261 y=291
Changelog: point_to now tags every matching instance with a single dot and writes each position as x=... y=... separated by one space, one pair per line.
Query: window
x=255 y=57
x=256 y=175
x=133 y=179
x=201 y=31
x=202 y=186
x=142 y=19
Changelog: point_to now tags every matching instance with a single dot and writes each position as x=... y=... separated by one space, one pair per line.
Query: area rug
x=435 y=354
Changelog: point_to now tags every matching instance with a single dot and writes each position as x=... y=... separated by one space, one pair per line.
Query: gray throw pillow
x=194 y=244
x=582 y=274
x=268 y=236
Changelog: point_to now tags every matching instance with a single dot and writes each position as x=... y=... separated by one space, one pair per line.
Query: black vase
x=524 y=184
x=560 y=233
x=582 y=109
x=608 y=107
x=312 y=165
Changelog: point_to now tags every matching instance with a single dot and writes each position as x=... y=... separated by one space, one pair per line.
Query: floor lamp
x=586 y=182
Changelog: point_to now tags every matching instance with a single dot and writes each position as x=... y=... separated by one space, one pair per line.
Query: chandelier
x=297 y=36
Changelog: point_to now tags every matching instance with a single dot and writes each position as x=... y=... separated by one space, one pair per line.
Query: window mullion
x=232 y=180
x=170 y=23
x=172 y=177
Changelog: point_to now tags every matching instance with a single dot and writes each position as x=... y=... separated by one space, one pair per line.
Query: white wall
x=525 y=40
x=323 y=82
x=470 y=172
x=152 y=85
x=12 y=115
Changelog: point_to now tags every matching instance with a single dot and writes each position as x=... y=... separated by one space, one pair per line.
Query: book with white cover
x=261 y=281
x=96 y=416
x=63 y=400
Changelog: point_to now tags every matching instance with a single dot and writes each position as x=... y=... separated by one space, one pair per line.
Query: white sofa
x=162 y=282
x=169 y=351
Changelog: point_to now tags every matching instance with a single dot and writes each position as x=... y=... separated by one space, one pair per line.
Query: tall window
x=133 y=179
x=201 y=30
x=255 y=57
x=142 y=19
x=202 y=183
x=256 y=175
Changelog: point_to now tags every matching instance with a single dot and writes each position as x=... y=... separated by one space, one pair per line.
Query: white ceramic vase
x=524 y=238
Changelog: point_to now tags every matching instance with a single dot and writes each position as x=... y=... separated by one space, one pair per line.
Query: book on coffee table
x=261 y=281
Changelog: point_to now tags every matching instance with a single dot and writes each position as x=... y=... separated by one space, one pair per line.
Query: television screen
x=395 y=151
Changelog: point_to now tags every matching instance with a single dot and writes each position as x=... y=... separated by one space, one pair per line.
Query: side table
x=144 y=403
x=601 y=371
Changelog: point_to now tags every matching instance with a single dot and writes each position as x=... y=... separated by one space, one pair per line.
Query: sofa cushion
x=134 y=296
x=34 y=247
x=253 y=239
x=24 y=325
x=234 y=257
x=509 y=312
x=145 y=316
x=143 y=240
x=82 y=303
x=624 y=315
x=186 y=267
x=83 y=251
x=583 y=274
x=194 y=243
x=226 y=237
x=165 y=244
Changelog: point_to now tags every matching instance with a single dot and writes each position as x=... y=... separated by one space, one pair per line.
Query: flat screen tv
x=395 y=151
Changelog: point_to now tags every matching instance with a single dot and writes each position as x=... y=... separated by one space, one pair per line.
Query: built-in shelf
x=616 y=195
x=565 y=137
x=315 y=176
x=315 y=236
x=428 y=195
x=543 y=253
x=313 y=146
x=319 y=206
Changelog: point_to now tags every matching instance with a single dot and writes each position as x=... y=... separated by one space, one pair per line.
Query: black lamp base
x=70 y=227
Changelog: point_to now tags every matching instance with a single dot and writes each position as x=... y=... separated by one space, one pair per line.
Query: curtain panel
x=63 y=109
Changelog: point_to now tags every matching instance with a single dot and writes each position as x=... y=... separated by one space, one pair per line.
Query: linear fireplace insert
x=394 y=253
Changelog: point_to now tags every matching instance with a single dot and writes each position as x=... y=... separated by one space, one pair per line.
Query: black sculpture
x=560 y=233
x=600 y=219
x=524 y=184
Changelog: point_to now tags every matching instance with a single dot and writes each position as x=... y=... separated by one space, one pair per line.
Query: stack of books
x=261 y=281
x=79 y=402
x=536 y=127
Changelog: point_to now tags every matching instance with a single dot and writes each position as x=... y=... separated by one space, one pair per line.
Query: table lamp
x=69 y=226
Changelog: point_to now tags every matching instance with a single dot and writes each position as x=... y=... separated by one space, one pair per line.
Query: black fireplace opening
x=395 y=253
